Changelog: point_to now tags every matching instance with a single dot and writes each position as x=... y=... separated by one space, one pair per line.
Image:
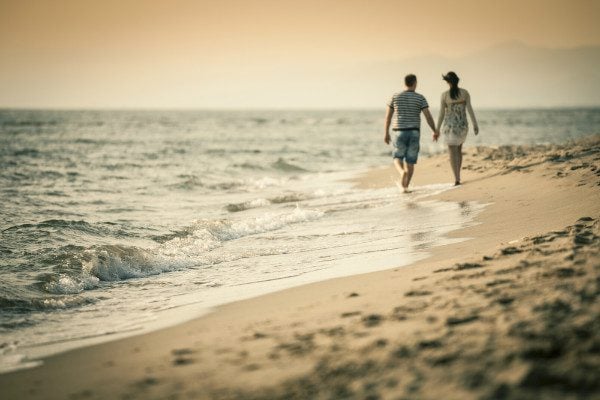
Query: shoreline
x=30 y=355
x=267 y=346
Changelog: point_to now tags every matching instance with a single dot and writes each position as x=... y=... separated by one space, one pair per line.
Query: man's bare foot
x=402 y=187
x=456 y=183
x=399 y=184
x=405 y=179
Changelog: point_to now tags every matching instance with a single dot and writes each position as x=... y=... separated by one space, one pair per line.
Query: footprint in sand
x=372 y=320
x=510 y=250
x=411 y=307
x=251 y=367
x=460 y=320
x=430 y=344
x=182 y=357
x=299 y=347
x=417 y=293
x=497 y=282
x=147 y=381
x=350 y=314
x=460 y=267
x=504 y=300
x=333 y=332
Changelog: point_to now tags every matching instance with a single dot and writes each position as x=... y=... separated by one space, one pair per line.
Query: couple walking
x=407 y=107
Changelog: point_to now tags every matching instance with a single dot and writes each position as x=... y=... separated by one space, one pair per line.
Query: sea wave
x=291 y=198
x=248 y=166
x=30 y=152
x=22 y=303
x=85 y=269
x=60 y=228
x=116 y=263
x=246 y=205
x=261 y=202
x=283 y=165
x=206 y=235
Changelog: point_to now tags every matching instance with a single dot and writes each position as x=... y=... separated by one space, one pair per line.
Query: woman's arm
x=442 y=113
x=471 y=113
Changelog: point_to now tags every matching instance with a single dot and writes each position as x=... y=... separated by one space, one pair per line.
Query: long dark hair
x=453 y=80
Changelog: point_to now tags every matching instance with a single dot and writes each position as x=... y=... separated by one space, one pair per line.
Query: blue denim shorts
x=406 y=146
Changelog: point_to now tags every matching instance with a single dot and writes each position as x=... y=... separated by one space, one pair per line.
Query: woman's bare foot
x=456 y=183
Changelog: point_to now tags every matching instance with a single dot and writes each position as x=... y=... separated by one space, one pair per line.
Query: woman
x=455 y=103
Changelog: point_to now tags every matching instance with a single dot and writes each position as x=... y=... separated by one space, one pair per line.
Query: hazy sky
x=229 y=53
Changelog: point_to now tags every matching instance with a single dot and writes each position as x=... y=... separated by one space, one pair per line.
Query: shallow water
x=120 y=221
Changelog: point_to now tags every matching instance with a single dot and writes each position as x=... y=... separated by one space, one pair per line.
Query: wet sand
x=512 y=313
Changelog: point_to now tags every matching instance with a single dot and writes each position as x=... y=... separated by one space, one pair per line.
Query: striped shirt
x=407 y=107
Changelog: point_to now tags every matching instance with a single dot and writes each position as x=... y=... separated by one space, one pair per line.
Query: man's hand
x=436 y=136
x=388 y=122
x=476 y=129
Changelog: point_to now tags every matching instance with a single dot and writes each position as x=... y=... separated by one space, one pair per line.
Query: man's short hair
x=410 y=80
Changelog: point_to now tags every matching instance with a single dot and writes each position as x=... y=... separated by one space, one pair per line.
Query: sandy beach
x=511 y=313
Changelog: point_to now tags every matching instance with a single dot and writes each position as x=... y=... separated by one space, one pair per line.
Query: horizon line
x=294 y=108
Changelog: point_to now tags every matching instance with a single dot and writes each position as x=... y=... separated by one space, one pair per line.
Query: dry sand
x=512 y=313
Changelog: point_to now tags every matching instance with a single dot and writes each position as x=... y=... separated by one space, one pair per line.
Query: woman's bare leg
x=453 y=151
x=460 y=159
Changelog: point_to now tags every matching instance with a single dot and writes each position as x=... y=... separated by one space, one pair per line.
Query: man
x=407 y=107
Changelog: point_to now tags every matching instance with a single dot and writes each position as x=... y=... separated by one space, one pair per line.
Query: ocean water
x=118 y=222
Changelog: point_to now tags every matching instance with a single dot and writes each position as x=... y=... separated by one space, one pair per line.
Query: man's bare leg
x=400 y=168
x=406 y=172
x=410 y=170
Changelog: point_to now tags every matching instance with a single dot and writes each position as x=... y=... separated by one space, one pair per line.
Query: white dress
x=453 y=113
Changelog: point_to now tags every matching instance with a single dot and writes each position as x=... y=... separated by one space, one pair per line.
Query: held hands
x=436 y=135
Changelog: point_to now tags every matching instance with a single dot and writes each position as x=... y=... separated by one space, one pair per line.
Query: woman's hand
x=476 y=129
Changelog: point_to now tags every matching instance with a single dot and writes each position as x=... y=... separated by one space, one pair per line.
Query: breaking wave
x=183 y=249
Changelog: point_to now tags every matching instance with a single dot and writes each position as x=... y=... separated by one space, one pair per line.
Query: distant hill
x=506 y=75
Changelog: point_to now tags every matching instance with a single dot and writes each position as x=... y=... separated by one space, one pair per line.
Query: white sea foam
x=69 y=285
x=259 y=203
x=116 y=263
x=113 y=263
x=266 y=182
x=209 y=234
x=264 y=223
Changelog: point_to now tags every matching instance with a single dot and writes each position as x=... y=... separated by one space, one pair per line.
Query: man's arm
x=430 y=122
x=388 y=121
